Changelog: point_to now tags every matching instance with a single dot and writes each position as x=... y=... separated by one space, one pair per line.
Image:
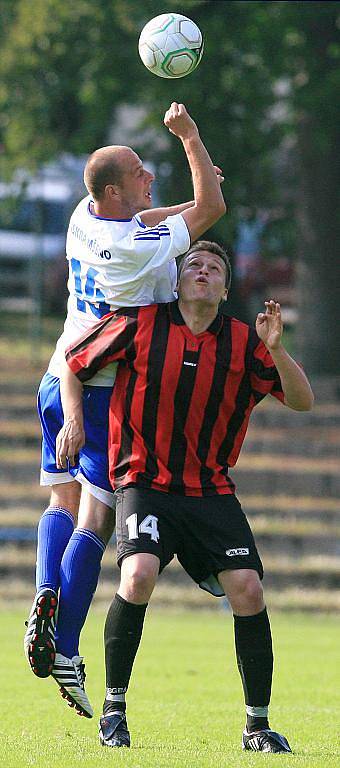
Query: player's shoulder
x=174 y=221
x=242 y=333
x=82 y=206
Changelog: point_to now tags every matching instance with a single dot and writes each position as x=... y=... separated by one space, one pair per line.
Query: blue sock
x=79 y=573
x=54 y=530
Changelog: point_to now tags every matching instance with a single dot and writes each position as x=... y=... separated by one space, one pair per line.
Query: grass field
x=185 y=706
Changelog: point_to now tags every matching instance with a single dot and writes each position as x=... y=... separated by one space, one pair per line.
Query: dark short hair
x=215 y=248
x=101 y=171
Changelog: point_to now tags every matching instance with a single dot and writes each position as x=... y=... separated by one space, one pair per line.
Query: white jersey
x=116 y=263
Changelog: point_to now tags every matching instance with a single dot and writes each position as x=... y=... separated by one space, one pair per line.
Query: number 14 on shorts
x=149 y=525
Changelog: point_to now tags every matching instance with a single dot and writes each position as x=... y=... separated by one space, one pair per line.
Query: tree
x=265 y=98
x=311 y=53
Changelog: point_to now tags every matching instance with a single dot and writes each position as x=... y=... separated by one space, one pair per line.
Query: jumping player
x=116 y=257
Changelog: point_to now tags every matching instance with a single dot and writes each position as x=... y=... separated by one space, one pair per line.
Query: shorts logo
x=238 y=551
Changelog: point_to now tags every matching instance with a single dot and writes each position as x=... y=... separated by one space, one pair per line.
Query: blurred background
x=265 y=98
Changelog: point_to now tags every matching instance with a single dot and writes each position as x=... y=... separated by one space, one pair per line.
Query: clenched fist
x=179 y=122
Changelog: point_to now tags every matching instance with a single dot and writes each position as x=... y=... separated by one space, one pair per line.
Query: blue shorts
x=92 y=467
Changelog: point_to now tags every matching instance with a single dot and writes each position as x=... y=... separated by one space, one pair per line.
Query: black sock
x=254 y=655
x=122 y=634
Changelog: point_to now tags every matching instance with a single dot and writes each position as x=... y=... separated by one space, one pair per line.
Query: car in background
x=34 y=214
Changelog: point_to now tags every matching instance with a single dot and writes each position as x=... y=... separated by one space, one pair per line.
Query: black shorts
x=208 y=535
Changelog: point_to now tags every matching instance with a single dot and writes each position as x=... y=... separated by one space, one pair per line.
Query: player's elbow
x=303 y=403
x=216 y=211
x=219 y=207
x=222 y=208
x=202 y=216
x=309 y=402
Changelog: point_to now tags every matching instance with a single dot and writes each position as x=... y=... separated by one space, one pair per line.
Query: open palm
x=269 y=325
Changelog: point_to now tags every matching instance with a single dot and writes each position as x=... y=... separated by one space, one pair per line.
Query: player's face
x=135 y=185
x=203 y=278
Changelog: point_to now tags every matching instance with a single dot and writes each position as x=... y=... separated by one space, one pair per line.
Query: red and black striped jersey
x=181 y=403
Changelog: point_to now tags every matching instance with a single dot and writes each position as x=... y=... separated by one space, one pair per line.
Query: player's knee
x=244 y=591
x=66 y=496
x=138 y=579
x=253 y=594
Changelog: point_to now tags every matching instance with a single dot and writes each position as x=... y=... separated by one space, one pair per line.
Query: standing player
x=116 y=258
x=187 y=382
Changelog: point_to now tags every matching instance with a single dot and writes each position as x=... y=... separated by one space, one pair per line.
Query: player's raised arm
x=154 y=216
x=296 y=387
x=209 y=204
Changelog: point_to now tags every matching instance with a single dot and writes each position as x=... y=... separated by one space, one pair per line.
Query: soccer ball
x=170 y=45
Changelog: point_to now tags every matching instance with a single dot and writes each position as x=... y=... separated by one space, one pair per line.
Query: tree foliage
x=264 y=96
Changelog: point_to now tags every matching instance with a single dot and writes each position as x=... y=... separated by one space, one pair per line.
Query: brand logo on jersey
x=238 y=551
x=193 y=365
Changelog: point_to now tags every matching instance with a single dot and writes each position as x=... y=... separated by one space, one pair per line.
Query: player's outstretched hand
x=269 y=325
x=179 y=122
x=70 y=440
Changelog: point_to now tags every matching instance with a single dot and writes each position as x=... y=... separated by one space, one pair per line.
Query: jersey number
x=148 y=525
x=85 y=288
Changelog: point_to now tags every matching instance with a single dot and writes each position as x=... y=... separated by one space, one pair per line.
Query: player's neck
x=198 y=316
x=108 y=211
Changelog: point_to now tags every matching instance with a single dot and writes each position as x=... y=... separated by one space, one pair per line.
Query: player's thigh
x=51 y=420
x=216 y=537
x=93 y=457
x=96 y=516
x=67 y=496
x=142 y=524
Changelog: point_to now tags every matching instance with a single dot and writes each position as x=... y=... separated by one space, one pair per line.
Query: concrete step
x=22 y=523
x=270 y=413
x=24 y=507
x=323 y=509
x=24 y=430
x=254 y=473
x=326 y=388
x=319 y=571
x=270 y=475
x=186 y=596
x=311 y=441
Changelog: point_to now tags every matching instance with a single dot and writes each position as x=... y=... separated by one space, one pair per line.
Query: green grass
x=185 y=706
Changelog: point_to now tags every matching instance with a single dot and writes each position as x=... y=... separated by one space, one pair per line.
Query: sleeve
x=108 y=340
x=264 y=376
x=152 y=247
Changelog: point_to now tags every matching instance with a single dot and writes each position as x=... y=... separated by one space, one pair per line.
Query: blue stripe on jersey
x=159 y=228
x=152 y=237
x=153 y=234
x=140 y=222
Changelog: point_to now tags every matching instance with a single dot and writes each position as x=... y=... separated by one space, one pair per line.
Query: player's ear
x=112 y=191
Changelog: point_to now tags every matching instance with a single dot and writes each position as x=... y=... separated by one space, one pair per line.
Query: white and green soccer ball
x=171 y=45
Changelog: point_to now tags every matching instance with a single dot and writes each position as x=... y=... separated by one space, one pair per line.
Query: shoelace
x=81 y=674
